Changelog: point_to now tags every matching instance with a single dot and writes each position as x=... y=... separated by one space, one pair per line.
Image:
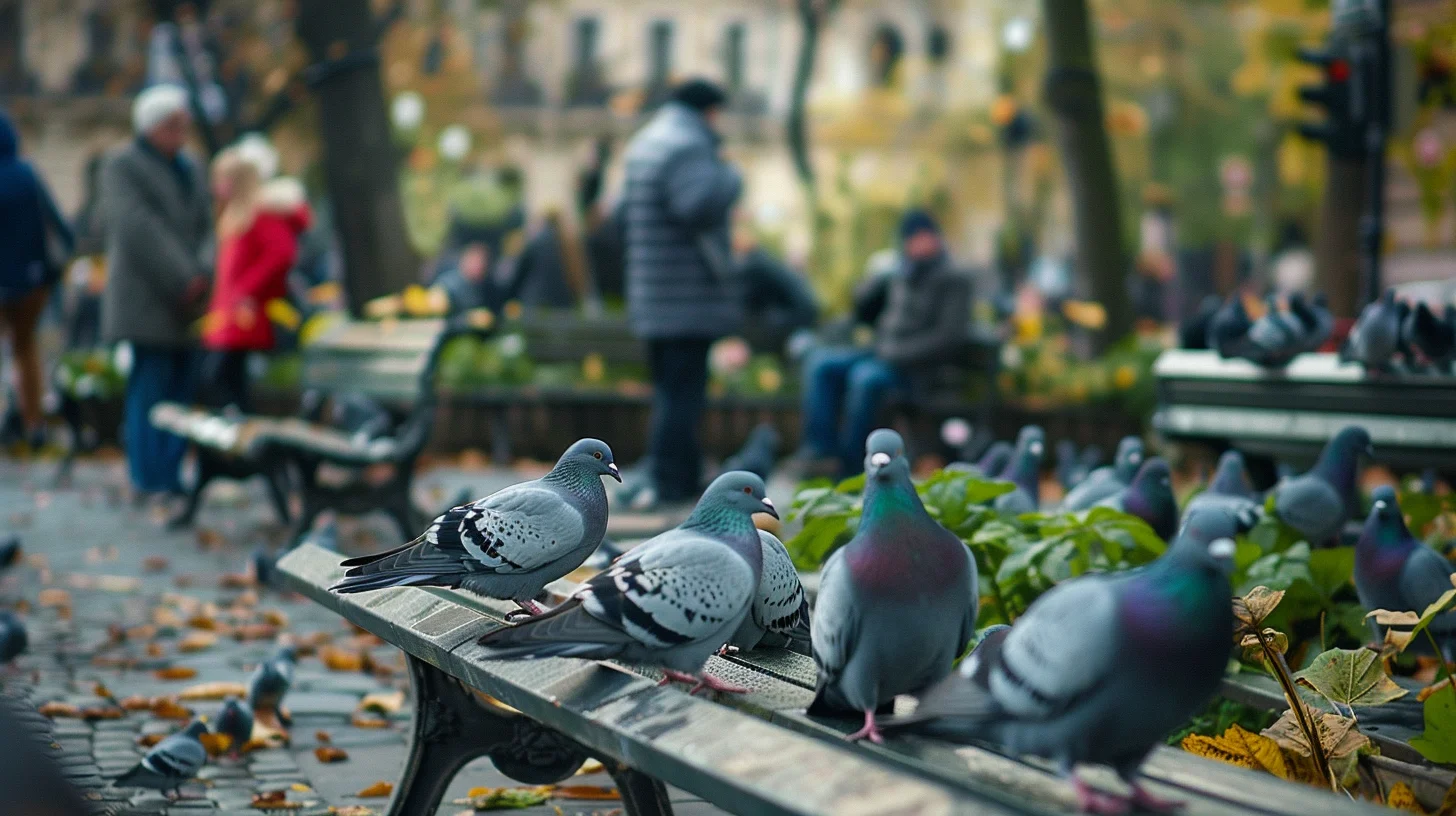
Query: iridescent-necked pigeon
x=1101 y=667
x=170 y=763
x=1376 y=334
x=235 y=719
x=672 y=601
x=1318 y=503
x=897 y=604
x=1150 y=498
x=1109 y=480
x=1024 y=471
x=510 y=544
x=780 y=611
x=1229 y=491
x=991 y=463
x=1396 y=571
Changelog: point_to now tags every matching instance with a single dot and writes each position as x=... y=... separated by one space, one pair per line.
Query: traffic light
x=1343 y=129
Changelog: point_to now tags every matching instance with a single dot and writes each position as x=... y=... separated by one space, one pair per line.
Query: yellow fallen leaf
x=382 y=702
x=341 y=660
x=176 y=673
x=1239 y=746
x=1401 y=797
x=330 y=753
x=216 y=744
x=53 y=598
x=216 y=690
x=197 y=641
x=378 y=790
x=299 y=787
x=169 y=709
x=591 y=766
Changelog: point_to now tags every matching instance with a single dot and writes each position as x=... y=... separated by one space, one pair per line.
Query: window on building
x=937 y=44
x=659 y=61
x=584 y=47
x=885 y=51
x=735 y=56
x=585 y=83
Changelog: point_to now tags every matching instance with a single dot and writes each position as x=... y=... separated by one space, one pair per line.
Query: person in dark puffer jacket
x=682 y=293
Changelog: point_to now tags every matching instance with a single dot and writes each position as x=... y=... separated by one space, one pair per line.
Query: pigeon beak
x=615 y=471
x=768 y=507
x=1380 y=505
x=880 y=459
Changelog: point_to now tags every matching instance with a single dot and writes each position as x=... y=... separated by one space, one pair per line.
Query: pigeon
x=1434 y=337
x=1150 y=498
x=1229 y=491
x=1228 y=326
x=508 y=545
x=235 y=719
x=1397 y=572
x=1318 y=503
x=170 y=763
x=464 y=495
x=1024 y=470
x=326 y=534
x=780 y=611
x=1273 y=340
x=1375 y=335
x=991 y=463
x=10 y=552
x=270 y=681
x=13 y=637
x=1316 y=318
x=897 y=604
x=757 y=454
x=1107 y=480
x=1101 y=667
x=260 y=564
x=606 y=552
x=671 y=601
x=1193 y=331
x=1073 y=466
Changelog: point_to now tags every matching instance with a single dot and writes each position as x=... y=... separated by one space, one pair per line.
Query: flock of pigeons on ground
x=1098 y=670
x=1389 y=335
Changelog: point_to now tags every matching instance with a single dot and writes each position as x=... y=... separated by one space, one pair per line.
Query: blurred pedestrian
x=87 y=274
x=154 y=200
x=682 y=291
x=551 y=272
x=921 y=314
x=258 y=227
x=33 y=781
x=777 y=300
x=35 y=243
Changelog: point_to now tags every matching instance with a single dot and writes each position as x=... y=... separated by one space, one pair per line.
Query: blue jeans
x=844 y=389
x=154 y=458
x=679 y=396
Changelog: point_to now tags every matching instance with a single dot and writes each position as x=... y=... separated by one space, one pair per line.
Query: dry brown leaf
x=197 y=641
x=236 y=580
x=209 y=539
x=168 y=709
x=360 y=719
x=352 y=810
x=274 y=800
x=591 y=792
x=167 y=617
x=322 y=737
x=176 y=673
x=100 y=690
x=102 y=713
x=1251 y=610
x=1402 y=797
x=1386 y=617
x=591 y=766
x=59 y=709
x=148 y=740
x=1342 y=742
x=144 y=632
x=156 y=563
x=204 y=622
x=275 y=617
x=53 y=598
x=382 y=702
x=217 y=690
x=155 y=650
x=137 y=702
x=341 y=660
x=255 y=744
x=255 y=631
x=1432 y=689
x=378 y=790
x=216 y=744
x=330 y=753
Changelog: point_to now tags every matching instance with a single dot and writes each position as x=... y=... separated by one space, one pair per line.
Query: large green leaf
x=1331 y=569
x=1438 y=741
x=1350 y=677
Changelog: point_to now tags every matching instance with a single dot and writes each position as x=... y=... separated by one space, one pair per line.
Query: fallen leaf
x=216 y=690
x=330 y=753
x=255 y=745
x=167 y=617
x=340 y=660
x=118 y=583
x=322 y=737
x=1401 y=797
x=274 y=800
x=216 y=744
x=1342 y=742
x=382 y=702
x=197 y=641
x=299 y=787
x=1351 y=677
x=102 y=713
x=100 y=690
x=156 y=563
x=274 y=617
x=249 y=598
x=209 y=539
x=235 y=580
x=482 y=799
x=58 y=709
x=137 y=703
x=148 y=740
x=255 y=631
x=592 y=792
x=204 y=622
x=168 y=709
x=360 y=719
x=53 y=598
x=155 y=650
x=591 y=766
x=143 y=632
x=378 y=790
x=352 y=810
x=176 y=673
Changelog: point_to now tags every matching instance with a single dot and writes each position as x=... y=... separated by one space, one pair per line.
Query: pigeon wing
x=781 y=607
x=1309 y=505
x=176 y=757
x=836 y=620
x=1423 y=579
x=1058 y=652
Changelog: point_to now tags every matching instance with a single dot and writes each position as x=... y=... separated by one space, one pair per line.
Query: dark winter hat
x=916 y=221
x=699 y=94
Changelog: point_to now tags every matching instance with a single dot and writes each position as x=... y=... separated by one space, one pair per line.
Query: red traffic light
x=1338 y=70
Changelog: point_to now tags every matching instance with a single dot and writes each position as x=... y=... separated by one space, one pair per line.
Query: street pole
x=1374 y=72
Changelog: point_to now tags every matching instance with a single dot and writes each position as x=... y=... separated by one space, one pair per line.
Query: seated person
x=465 y=277
x=778 y=301
x=551 y=271
x=921 y=316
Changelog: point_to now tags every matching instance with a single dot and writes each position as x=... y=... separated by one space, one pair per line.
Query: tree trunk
x=1073 y=91
x=797 y=128
x=1337 y=247
x=360 y=162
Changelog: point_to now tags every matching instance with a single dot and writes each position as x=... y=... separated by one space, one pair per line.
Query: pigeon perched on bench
x=1229 y=491
x=1397 y=572
x=1150 y=498
x=1318 y=503
x=1024 y=471
x=780 y=611
x=671 y=601
x=170 y=763
x=1315 y=317
x=1375 y=337
x=1228 y=326
x=508 y=545
x=897 y=604
x=1433 y=337
x=1101 y=667
x=1108 y=480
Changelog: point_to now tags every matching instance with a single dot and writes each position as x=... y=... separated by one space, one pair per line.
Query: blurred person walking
x=87 y=275
x=682 y=293
x=258 y=228
x=154 y=200
x=35 y=243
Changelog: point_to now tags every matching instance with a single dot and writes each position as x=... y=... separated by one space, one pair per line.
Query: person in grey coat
x=682 y=293
x=154 y=200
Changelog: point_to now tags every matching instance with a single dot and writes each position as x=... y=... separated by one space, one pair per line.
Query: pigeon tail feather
x=566 y=631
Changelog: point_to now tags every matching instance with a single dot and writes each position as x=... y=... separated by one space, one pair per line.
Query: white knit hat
x=154 y=105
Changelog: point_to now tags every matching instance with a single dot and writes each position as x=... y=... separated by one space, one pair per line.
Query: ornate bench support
x=452 y=726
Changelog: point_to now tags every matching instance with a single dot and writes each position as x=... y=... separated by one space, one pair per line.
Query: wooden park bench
x=757 y=753
x=1289 y=414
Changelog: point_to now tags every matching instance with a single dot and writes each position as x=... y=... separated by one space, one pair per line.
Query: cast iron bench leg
x=207 y=470
x=641 y=794
x=274 y=476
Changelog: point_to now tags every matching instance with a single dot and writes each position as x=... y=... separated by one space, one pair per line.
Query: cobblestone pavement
x=111 y=599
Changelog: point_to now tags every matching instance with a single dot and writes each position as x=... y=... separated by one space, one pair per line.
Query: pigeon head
x=886 y=441
x=1384 y=505
x=287 y=652
x=1207 y=536
x=994 y=460
x=1386 y=524
x=1153 y=475
x=737 y=490
x=1228 y=479
x=1150 y=497
x=885 y=456
x=1025 y=465
x=195 y=729
x=1129 y=458
x=590 y=456
x=1341 y=456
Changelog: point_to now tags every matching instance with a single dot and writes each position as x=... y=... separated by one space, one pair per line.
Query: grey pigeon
x=1229 y=491
x=1150 y=498
x=1396 y=571
x=1315 y=317
x=508 y=545
x=1376 y=334
x=758 y=452
x=170 y=763
x=1433 y=337
x=1024 y=471
x=13 y=637
x=605 y=554
x=271 y=680
x=671 y=602
x=1228 y=326
x=991 y=463
x=1101 y=667
x=1109 y=480
x=235 y=719
x=1073 y=466
x=260 y=563
x=1318 y=503
x=897 y=604
x=10 y=552
x=780 y=611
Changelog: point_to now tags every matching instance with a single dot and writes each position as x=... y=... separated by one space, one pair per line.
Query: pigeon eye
x=597 y=455
x=748 y=490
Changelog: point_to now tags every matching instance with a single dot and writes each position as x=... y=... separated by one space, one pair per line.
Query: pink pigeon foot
x=671 y=676
x=1142 y=800
x=726 y=650
x=1090 y=800
x=870 y=731
x=711 y=683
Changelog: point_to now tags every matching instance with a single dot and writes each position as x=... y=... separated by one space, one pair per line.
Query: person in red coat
x=258 y=227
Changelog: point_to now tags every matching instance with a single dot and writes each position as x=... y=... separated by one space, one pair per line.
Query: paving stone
x=223 y=772
x=313 y=703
